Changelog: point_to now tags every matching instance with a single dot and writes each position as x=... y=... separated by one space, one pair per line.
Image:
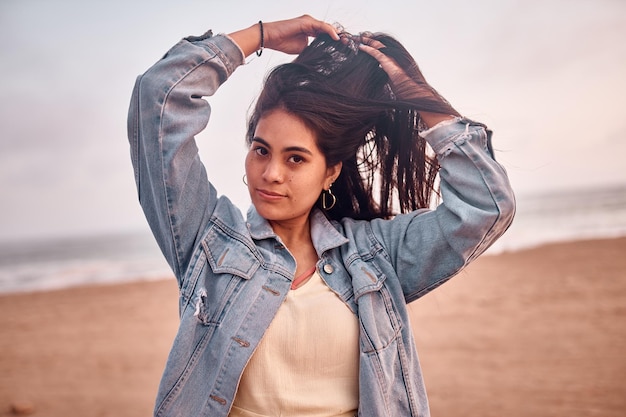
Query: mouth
x=269 y=195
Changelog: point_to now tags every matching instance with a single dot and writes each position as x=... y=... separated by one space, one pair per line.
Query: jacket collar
x=323 y=232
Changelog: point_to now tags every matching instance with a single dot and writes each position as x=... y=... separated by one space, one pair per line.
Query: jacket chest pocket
x=230 y=263
x=231 y=254
x=380 y=325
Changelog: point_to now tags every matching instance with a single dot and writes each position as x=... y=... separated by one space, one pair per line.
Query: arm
x=429 y=247
x=167 y=111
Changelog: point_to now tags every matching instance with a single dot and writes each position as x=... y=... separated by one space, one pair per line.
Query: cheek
x=311 y=184
x=247 y=165
x=249 y=172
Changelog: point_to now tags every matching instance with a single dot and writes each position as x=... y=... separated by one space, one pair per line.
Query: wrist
x=249 y=39
x=433 y=119
x=262 y=42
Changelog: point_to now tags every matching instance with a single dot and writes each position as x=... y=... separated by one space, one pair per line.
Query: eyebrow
x=287 y=149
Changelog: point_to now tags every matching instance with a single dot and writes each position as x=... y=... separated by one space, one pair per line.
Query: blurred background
x=546 y=76
x=543 y=335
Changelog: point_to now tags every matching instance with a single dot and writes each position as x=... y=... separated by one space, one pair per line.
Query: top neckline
x=302 y=278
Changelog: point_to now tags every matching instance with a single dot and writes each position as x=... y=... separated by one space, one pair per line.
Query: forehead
x=282 y=129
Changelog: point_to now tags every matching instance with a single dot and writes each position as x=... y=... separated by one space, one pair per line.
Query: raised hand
x=404 y=86
x=289 y=36
x=408 y=84
x=292 y=36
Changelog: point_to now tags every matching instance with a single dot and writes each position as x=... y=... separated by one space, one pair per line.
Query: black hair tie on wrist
x=260 y=51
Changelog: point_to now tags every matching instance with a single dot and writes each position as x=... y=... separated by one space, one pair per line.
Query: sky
x=549 y=77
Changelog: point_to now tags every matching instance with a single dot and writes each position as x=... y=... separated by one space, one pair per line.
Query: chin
x=268 y=211
x=277 y=214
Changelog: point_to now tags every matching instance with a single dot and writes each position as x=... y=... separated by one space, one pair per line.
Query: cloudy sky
x=548 y=76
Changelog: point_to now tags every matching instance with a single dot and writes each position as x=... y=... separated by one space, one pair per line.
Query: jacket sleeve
x=428 y=247
x=167 y=111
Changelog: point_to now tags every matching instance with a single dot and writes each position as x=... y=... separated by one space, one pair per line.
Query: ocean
x=54 y=264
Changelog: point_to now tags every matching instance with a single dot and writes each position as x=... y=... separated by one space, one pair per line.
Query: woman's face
x=286 y=171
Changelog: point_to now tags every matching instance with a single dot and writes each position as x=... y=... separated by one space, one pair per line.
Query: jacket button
x=328 y=268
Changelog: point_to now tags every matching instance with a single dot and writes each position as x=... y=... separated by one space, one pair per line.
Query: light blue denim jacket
x=234 y=273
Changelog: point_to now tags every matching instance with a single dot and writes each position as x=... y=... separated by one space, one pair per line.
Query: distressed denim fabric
x=234 y=272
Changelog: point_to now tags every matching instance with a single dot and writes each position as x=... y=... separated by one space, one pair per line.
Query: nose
x=273 y=171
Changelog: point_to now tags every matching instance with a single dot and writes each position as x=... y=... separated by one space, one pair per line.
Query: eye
x=296 y=159
x=260 y=150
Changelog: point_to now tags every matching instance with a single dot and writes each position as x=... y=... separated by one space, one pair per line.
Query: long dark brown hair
x=344 y=96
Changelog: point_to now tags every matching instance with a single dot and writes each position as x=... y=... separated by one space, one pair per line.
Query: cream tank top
x=307 y=363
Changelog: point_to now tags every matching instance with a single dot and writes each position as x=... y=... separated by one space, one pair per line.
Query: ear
x=332 y=173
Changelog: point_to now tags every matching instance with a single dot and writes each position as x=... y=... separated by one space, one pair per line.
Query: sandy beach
x=540 y=332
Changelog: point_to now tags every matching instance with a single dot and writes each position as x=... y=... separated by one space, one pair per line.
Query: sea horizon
x=56 y=263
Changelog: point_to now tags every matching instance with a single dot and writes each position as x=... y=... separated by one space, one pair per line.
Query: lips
x=269 y=195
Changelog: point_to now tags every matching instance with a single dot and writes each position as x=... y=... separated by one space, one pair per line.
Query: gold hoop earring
x=245 y=179
x=328 y=192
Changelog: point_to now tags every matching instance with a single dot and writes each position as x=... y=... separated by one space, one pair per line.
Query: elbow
x=147 y=87
x=495 y=220
x=504 y=213
x=501 y=204
x=507 y=206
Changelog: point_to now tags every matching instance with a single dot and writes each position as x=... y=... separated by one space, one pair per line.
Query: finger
x=319 y=26
x=383 y=59
x=386 y=63
x=365 y=40
x=331 y=30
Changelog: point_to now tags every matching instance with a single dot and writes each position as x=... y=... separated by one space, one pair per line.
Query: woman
x=300 y=309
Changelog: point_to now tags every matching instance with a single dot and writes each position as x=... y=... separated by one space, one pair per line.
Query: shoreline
x=165 y=274
x=536 y=331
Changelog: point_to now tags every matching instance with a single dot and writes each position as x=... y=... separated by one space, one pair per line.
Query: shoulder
x=228 y=216
x=371 y=236
x=378 y=227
